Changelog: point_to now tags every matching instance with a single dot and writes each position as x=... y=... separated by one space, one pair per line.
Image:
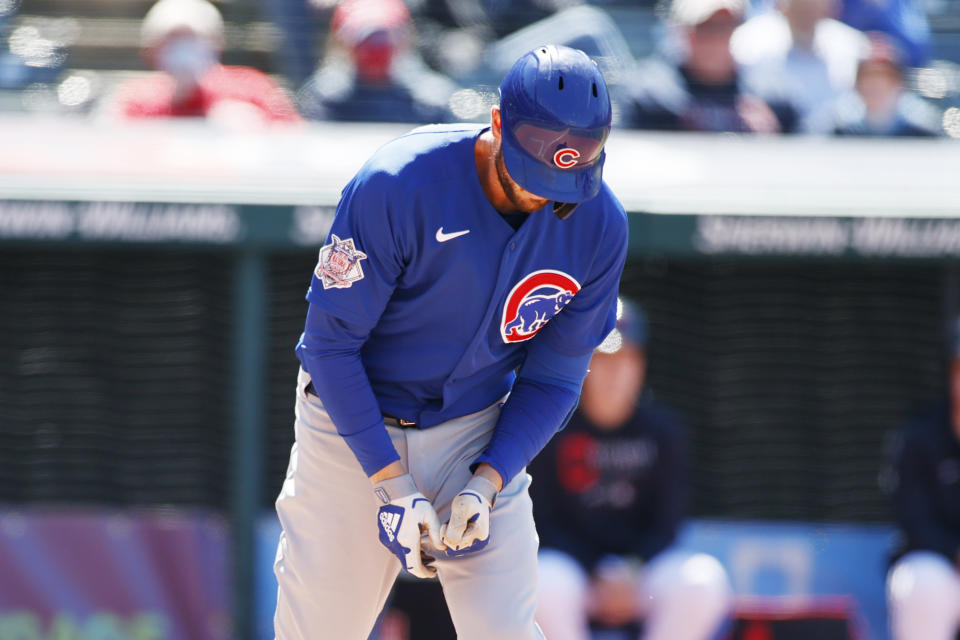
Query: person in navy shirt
x=469 y=273
x=696 y=85
x=923 y=585
x=609 y=495
x=882 y=105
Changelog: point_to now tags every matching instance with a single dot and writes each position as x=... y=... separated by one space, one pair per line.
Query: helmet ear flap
x=563 y=209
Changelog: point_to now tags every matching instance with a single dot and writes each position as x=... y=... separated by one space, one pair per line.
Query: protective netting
x=289 y=278
x=790 y=375
x=114 y=375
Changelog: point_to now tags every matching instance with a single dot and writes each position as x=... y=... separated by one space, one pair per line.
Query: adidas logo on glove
x=389 y=522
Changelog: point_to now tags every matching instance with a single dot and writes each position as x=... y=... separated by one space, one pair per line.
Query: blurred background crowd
x=832 y=67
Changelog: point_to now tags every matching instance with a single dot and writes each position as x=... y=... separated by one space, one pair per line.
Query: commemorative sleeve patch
x=339 y=265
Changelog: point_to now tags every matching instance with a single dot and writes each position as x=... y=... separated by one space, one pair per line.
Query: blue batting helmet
x=555 y=115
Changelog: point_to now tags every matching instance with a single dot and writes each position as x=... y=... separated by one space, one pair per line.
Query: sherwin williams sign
x=105 y=575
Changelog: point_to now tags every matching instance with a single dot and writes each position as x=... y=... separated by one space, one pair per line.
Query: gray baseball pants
x=334 y=575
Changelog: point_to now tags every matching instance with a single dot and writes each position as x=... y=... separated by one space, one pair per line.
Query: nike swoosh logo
x=443 y=237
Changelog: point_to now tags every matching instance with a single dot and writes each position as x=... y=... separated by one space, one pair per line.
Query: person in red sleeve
x=182 y=41
x=372 y=72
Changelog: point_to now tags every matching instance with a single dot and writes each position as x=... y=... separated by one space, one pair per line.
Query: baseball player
x=468 y=275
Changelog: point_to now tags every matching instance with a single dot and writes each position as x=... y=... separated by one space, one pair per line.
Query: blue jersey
x=442 y=295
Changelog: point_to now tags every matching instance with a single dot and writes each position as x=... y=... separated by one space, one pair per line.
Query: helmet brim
x=559 y=185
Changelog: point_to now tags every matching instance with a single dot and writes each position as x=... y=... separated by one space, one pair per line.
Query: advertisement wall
x=99 y=575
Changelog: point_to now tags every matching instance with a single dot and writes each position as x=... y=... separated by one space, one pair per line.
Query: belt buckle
x=406 y=423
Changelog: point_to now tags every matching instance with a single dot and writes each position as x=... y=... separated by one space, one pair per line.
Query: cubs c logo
x=533 y=301
x=566 y=157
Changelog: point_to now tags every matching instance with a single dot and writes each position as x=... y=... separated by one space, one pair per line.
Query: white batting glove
x=404 y=515
x=469 y=527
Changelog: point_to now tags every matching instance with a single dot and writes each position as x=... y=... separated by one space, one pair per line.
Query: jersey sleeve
x=540 y=404
x=356 y=274
x=548 y=387
x=583 y=324
x=532 y=414
x=358 y=267
x=329 y=350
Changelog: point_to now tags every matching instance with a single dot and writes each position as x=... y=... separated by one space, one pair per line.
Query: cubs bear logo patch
x=533 y=301
x=339 y=266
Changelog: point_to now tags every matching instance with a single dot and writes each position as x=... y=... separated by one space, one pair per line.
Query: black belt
x=387 y=420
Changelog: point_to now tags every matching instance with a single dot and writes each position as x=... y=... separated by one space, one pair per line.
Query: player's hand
x=614 y=596
x=469 y=527
x=757 y=115
x=405 y=514
x=614 y=600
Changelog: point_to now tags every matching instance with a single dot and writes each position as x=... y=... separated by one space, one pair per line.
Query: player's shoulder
x=423 y=153
x=607 y=203
x=611 y=203
x=603 y=214
x=419 y=159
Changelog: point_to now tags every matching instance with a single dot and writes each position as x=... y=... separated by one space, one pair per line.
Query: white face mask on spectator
x=186 y=58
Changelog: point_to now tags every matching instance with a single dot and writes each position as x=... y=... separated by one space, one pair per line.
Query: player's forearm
x=358 y=422
x=330 y=352
x=534 y=412
x=392 y=470
x=539 y=405
x=484 y=470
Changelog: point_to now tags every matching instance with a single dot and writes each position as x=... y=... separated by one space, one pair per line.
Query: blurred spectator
x=492 y=18
x=881 y=105
x=300 y=23
x=26 y=57
x=456 y=32
x=923 y=587
x=702 y=89
x=608 y=493
x=371 y=72
x=800 y=44
x=903 y=20
x=182 y=40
